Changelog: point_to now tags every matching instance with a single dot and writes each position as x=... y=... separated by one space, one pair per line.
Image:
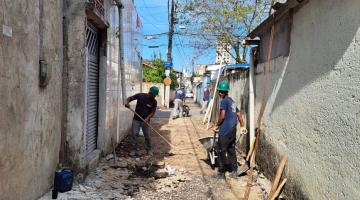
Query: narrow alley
x=93 y=94
x=180 y=173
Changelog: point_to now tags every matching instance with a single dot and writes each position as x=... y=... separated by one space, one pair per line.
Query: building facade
x=222 y=53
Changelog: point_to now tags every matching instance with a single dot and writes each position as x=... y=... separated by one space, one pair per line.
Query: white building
x=222 y=53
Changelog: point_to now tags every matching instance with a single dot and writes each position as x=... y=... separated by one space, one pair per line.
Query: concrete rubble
x=169 y=174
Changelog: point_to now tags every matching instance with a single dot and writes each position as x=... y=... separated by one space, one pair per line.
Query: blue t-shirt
x=230 y=121
x=180 y=94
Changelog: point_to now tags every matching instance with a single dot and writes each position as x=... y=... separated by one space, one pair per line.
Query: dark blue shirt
x=180 y=94
x=144 y=106
x=230 y=121
x=206 y=94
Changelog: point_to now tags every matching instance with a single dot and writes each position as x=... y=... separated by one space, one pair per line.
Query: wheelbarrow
x=211 y=146
x=186 y=110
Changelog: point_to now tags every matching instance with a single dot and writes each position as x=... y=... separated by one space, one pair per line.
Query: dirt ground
x=172 y=173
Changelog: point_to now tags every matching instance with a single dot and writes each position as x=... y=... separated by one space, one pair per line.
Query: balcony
x=95 y=11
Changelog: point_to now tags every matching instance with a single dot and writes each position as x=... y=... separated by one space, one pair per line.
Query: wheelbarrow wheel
x=209 y=159
x=213 y=161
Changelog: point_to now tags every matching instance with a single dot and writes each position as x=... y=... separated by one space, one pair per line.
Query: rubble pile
x=169 y=174
x=125 y=177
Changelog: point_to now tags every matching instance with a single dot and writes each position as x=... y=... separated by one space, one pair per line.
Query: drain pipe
x=121 y=69
x=255 y=43
x=121 y=51
x=251 y=96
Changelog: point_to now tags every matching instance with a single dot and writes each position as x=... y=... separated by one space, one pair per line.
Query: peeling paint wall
x=312 y=112
x=30 y=116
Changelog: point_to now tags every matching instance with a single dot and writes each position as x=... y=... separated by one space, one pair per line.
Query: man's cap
x=154 y=91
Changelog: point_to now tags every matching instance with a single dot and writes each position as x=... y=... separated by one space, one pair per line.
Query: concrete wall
x=114 y=119
x=30 y=116
x=117 y=117
x=74 y=81
x=313 y=107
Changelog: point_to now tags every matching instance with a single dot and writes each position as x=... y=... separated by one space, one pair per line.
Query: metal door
x=92 y=87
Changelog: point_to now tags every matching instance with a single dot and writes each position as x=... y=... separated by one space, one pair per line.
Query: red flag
x=138 y=22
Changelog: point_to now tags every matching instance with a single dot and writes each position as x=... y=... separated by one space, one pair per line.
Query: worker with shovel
x=229 y=116
x=144 y=111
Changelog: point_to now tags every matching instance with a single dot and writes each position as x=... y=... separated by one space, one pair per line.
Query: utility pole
x=171 y=32
x=169 y=51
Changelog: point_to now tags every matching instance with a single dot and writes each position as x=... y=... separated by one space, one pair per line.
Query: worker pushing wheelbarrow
x=223 y=145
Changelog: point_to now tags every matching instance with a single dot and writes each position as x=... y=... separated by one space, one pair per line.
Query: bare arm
x=147 y=119
x=240 y=119
x=128 y=100
x=221 y=118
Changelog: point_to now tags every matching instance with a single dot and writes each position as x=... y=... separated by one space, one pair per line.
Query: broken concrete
x=180 y=173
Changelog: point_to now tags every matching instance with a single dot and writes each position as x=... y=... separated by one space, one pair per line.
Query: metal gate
x=92 y=87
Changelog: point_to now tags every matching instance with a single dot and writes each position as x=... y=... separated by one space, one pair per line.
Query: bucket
x=63 y=180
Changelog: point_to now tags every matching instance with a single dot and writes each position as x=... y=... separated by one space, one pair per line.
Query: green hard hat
x=223 y=86
x=154 y=91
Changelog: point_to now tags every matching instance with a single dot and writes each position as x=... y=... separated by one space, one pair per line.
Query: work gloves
x=243 y=130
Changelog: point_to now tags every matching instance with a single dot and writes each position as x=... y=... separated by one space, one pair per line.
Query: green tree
x=227 y=21
x=157 y=74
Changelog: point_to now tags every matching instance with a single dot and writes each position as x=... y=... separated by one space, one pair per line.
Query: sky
x=154 y=19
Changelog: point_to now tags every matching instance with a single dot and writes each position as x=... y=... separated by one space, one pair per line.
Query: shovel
x=245 y=167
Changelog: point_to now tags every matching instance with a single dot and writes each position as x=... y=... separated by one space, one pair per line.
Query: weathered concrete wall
x=74 y=81
x=118 y=118
x=313 y=107
x=30 y=116
x=114 y=121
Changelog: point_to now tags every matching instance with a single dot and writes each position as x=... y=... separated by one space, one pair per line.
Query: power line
x=150 y=23
x=148 y=11
x=183 y=52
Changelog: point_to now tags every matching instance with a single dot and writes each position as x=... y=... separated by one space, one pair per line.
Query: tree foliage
x=157 y=74
x=228 y=21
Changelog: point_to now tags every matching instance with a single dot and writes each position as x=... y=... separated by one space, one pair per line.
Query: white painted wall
x=313 y=108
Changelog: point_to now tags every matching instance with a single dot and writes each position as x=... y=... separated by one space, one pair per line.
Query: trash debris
x=110 y=157
x=169 y=170
x=163 y=176
x=159 y=174
x=141 y=133
x=159 y=164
